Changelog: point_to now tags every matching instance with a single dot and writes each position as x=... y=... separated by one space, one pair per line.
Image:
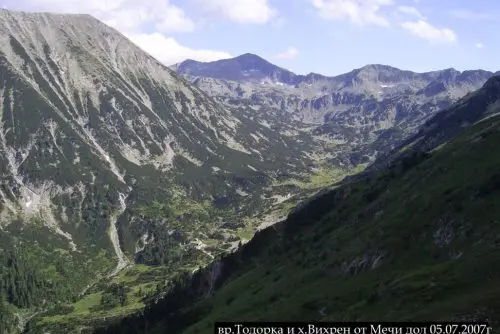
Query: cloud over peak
x=360 y=12
x=240 y=11
x=377 y=12
x=425 y=30
x=169 y=51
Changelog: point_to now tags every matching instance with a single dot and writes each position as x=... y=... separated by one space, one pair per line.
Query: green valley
x=417 y=241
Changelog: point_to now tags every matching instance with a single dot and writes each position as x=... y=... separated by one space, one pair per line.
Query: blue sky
x=322 y=36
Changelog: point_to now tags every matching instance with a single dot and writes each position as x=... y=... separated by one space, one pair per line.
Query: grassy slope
x=414 y=243
x=82 y=309
x=140 y=280
x=434 y=230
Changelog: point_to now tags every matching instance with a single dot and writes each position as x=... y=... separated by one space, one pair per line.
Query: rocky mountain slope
x=416 y=241
x=251 y=77
x=474 y=107
x=108 y=158
x=362 y=113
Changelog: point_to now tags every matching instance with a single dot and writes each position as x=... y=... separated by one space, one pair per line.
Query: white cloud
x=425 y=30
x=175 y=20
x=412 y=11
x=479 y=45
x=241 y=11
x=125 y=15
x=465 y=14
x=360 y=12
x=169 y=51
x=365 y=12
x=289 y=53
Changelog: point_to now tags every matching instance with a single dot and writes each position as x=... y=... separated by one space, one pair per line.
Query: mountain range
x=121 y=178
x=415 y=241
x=363 y=112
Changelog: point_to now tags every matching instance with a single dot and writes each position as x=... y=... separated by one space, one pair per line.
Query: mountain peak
x=378 y=67
x=249 y=56
x=376 y=73
x=249 y=67
x=250 y=61
x=245 y=67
